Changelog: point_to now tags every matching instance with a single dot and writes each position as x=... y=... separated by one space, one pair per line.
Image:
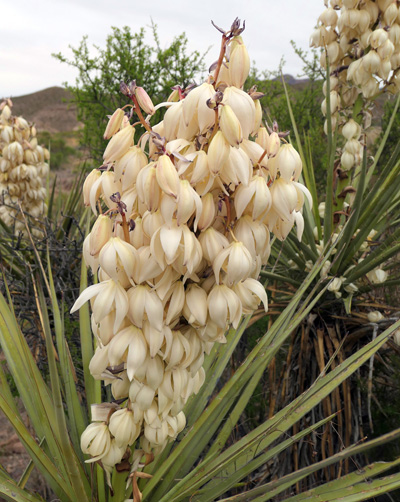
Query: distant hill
x=290 y=80
x=48 y=109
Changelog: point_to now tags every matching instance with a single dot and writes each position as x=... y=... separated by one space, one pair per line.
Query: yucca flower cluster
x=22 y=169
x=183 y=228
x=362 y=42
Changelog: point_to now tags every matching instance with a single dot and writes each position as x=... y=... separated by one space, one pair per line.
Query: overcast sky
x=32 y=30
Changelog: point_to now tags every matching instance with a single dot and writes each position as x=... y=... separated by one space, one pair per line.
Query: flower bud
x=6 y=113
x=230 y=126
x=100 y=234
x=347 y=161
x=218 y=153
x=167 y=176
x=144 y=101
x=262 y=138
x=239 y=63
x=288 y=162
x=119 y=144
x=208 y=212
x=114 y=123
x=351 y=130
x=334 y=103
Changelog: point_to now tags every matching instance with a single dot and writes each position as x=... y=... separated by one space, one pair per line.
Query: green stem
x=119 y=486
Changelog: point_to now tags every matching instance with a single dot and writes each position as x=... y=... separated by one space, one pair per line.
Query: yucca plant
x=203 y=464
x=357 y=218
x=23 y=166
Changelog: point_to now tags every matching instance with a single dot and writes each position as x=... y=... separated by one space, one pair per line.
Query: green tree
x=125 y=57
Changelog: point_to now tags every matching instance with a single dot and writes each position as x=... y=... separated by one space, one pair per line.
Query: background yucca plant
x=356 y=305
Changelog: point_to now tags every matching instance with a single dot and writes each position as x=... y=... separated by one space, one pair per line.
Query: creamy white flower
x=236 y=261
x=255 y=198
x=377 y=276
x=123 y=427
x=196 y=102
x=237 y=168
x=118 y=255
x=127 y=168
x=224 y=306
x=208 y=212
x=243 y=107
x=119 y=144
x=250 y=293
x=96 y=441
x=105 y=187
x=335 y=286
x=148 y=189
x=195 y=306
x=212 y=243
x=128 y=345
x=174 y=302
x=113 y=456
x=288 y=162
x=109 y=295
x=99 y=362
x=145 y=304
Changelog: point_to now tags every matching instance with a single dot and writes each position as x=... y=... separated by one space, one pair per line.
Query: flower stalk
x=178 y=249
